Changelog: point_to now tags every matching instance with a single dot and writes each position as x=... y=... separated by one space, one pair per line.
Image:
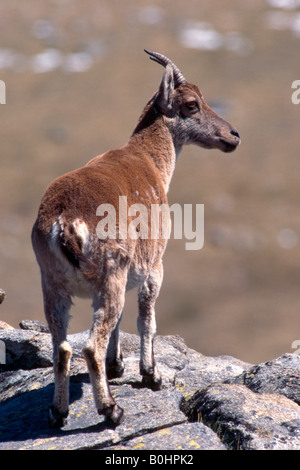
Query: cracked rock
x=211 y=403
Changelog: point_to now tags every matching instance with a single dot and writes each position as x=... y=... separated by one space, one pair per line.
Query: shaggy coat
x=75 y=261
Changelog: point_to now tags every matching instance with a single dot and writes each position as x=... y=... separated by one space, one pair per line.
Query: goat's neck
x=154 y=140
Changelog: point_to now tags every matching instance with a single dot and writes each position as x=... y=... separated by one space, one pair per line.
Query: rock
x=247 y=420
x=30 y=349
x=34 y=325
x=26 y=349
x=146 y=412
x=5 y=326
x=282 y=375
x=187 y=436
x=205 y=403
x=203 y=371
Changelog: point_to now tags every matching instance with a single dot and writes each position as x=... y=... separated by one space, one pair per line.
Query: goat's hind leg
x=146 y=323
x=107 y=312
x=57 y=315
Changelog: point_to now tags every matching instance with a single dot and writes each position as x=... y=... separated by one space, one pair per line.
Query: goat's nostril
x=235 y=133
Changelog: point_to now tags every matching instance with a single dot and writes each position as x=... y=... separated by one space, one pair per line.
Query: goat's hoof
x=56 y=419
x=114 y=415
x=115 y=371
x=154 y=383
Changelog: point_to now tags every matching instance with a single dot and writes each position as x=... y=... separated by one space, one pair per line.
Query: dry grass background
x=240 y=294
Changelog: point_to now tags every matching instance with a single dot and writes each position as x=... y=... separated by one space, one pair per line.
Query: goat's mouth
x=228 y=146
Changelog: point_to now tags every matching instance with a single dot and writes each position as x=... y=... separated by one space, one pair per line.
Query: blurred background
x=77 y=80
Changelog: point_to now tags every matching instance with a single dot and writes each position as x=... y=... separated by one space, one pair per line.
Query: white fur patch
x=72 y=279
x=79 y=226
x=82 y=231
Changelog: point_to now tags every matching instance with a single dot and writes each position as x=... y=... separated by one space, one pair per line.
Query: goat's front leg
x=108 y=308
x=146 y=323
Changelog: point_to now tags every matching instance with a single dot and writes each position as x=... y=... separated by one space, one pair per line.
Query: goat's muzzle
x=230 y=143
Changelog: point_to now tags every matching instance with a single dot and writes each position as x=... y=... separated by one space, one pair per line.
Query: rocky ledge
x=206 y=403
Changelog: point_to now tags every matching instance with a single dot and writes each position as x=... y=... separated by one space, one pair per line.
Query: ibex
x=74 y=261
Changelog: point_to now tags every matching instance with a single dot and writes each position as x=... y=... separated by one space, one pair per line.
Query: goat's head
x=189 y=118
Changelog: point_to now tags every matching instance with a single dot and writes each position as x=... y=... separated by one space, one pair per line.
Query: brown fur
x=74 y=261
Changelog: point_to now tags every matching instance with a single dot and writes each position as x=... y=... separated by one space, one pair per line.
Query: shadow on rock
x=26 y=416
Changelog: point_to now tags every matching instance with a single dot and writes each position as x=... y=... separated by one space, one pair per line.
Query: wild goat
x=74 y=261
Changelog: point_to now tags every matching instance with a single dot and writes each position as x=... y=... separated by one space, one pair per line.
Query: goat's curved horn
x=164 y=61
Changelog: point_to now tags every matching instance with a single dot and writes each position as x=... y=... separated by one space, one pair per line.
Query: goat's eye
x=192 y=105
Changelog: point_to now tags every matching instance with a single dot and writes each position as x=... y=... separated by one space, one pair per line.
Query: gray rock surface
x=248 y=420
x=282 y=375
x=206 y=403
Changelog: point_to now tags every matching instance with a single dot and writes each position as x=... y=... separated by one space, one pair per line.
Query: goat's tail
x=73 y=238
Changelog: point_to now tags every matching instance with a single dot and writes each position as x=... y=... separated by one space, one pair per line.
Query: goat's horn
x=164 y=61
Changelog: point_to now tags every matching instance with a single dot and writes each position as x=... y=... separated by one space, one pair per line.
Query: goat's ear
x=165 y=93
